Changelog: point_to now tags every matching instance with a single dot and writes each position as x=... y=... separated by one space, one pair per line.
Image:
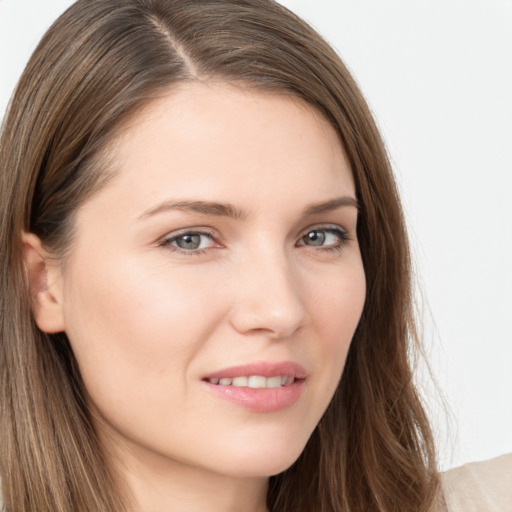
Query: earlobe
x=45 y=285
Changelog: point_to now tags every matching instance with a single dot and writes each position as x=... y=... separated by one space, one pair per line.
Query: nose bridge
x=270 y=296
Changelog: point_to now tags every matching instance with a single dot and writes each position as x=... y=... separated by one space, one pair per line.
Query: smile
x=254 y=381
x=261 y=387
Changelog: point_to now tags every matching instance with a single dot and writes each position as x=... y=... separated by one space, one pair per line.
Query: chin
x=261 y=461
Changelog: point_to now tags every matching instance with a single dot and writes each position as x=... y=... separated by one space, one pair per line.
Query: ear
x=45 y=284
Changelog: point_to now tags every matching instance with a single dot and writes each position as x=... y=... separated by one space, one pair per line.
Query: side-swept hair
x=100 y=63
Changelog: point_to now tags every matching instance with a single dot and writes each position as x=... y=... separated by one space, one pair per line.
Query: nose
x=269 y=297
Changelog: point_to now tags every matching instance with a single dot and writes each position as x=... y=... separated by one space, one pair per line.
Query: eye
x=327 y=238
x=193 y=242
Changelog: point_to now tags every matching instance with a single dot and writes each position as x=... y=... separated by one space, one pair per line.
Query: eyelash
x=333 y=230
x=167 y=242
x=343 y=237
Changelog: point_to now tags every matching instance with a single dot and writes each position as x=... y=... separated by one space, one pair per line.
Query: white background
x=438 y=76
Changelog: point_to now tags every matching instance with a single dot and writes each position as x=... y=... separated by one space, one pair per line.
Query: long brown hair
x=101 y=62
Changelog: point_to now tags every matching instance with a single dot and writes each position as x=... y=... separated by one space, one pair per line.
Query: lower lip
x=260 y=399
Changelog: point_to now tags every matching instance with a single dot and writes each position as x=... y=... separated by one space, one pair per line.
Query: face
x=214 y=285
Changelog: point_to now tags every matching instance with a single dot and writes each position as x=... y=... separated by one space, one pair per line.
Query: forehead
x=220 y=142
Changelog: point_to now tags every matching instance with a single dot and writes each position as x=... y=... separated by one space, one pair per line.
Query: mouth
x=259 y=387
x=254 y=381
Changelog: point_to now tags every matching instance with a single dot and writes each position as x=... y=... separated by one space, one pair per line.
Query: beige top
x=480 y=486
x=475 y=487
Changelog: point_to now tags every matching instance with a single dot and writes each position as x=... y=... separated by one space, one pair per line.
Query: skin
x=147 y=320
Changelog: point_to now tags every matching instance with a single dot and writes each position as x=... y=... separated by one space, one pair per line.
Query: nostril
x=269 y=299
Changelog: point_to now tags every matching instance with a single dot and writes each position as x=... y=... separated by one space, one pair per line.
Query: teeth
x=254 y=381
x=274 y=382
x=240 y=381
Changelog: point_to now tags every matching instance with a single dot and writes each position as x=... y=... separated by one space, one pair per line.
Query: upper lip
x=261 y=368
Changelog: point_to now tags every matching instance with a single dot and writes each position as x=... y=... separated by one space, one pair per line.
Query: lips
x=259 y=387
x=265 y=369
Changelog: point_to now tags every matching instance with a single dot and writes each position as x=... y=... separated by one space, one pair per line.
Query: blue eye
x=325 y=238
x=190 y=241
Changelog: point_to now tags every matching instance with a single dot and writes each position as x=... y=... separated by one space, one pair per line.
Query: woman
x=205 y=274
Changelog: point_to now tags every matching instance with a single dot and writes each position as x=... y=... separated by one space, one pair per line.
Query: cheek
x=136 y=334
x=336 y=309
x=338 y=303
x=129 y=324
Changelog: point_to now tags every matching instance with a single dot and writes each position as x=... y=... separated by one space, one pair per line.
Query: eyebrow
x=202 y=207
x=231 y=211
x=328 y=206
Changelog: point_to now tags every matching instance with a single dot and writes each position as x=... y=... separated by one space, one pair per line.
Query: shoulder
x=479 y=486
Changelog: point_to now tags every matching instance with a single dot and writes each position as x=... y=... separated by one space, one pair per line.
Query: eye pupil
x=315 y=238
x=189 y=241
